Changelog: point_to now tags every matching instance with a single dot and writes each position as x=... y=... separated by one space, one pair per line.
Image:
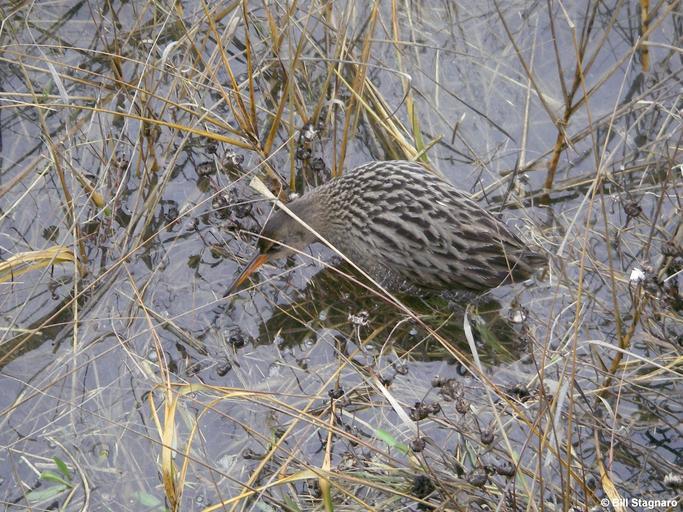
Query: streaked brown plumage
x=402 y=224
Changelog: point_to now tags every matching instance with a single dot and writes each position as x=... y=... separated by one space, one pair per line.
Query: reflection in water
x=332 y=301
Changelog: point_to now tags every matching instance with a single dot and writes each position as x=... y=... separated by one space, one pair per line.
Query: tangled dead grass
x=127 y=143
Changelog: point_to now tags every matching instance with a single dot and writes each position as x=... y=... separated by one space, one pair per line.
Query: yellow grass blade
x=24 y=262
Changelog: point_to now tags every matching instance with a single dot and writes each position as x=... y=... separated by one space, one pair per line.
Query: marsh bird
x=401 y=224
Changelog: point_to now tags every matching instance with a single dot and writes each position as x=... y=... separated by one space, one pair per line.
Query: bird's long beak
x=253 y=265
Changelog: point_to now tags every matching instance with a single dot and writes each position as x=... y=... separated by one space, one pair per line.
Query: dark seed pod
x=336 y=393
x=521 y=392
x=236 y=340
x=438 y=382
x=318 y=164
x=206 y=169
x=487 y=436
x=193 y=369
x=422 y=486
x=505 y=469
x=223 y=369
x=303 y=153
x=478 y=478
x=220 y=204
x=232 y=162
x=418 y=412
x=314 y=488
x=249 y=454
x=418 y=444
x=400 y=368
x=171 y=215
x=462 y=406
x=632 y=209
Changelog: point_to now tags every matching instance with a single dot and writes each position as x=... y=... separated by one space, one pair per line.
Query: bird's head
x=283 y=235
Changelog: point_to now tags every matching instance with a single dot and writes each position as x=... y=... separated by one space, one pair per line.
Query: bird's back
x=395 y=215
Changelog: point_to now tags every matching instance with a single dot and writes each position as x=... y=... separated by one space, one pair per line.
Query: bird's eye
x=266 y=246
x=272 y=248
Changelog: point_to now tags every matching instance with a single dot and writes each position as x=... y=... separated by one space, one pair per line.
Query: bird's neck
x=311 y=210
